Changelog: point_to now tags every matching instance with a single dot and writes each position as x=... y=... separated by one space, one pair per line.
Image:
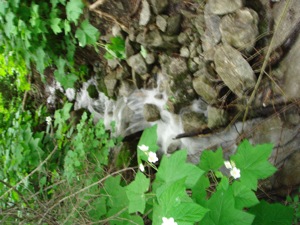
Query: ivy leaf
x=97 y=208
x=272 y=214
x=223 y=212
x=253 y=163
x=136 y=193
x=211 y=160
x=177 y=162
x=55 y=25
x=74 y=10
x=87 y=34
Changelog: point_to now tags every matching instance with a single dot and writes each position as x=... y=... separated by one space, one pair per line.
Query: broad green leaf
x=174 y=202
x=253 y=163
x=55 y=25
x=223 y=212
x=136 y=193
x=174 y=168
x=87 y=34
x=97 y=208
x=3 y=6
x=74 y=10
x=211 y=160
x=244 y=197
x=117 y=197
x=148 y=138
x=199 y=190
x=271 y=214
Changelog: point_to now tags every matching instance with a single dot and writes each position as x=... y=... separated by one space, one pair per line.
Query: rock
x=240 y=29
x=212 y=23
x=199 y=23
x=161 y=22
x=205 y=89
x=221 y=7
x=122 y=72
x=152 y=39
x=151 y=112
x=137 y=63
x=145 y=14
x=150 y=58
x=193 y=121
x=177 y=67
x=173 y=24
x=159 y=6
x=93 y=92
x=216 y=117
x=129 y=51
x=125 y=88
x=112 y=63
x=110 y=82
x=184 y=52
x=183 y=38
x=192 y=65
x=234 y=70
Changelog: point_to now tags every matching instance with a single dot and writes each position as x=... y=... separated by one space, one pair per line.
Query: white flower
x=48 y=120
x=169 y=221
x=144 y=148
x=152 y=157
x=141 y=167
x=227 y=165
x=235 y=172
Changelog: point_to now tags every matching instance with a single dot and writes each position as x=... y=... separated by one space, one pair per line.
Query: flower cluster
x=169 y=221
x=234 y=172
x=48 y=120
x=152 y=157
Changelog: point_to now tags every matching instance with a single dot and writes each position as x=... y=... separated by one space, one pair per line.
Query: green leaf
x=117 y=194
x=148 y=138
x=87 y=34
x=55 y=22
x=174 y=168
x=97 y=208
x=9 y=27
x=199 y=190
x=272 y=214
x=67 y=27
x=211 y=160
x=40 y=59
x=74 y=10
x=173 y=201
x=253 y=163
x=136 y=193
x=223 y=212
x=116 y=49
x=244 y=197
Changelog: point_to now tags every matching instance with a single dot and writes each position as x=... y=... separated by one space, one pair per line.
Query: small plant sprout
x=143 y=148
x=48 y=120
x=152 y=158
x=169 y=221
x=234 y=172
x=141 y=167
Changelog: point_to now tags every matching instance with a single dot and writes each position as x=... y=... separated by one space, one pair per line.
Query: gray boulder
x=221 y=7
x=137 y=63
x=151 y=112
x=234 y=70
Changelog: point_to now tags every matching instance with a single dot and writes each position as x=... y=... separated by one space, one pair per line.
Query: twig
x=104 y=14
x=265 y=63
x=96 y=4
x=82 y=190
